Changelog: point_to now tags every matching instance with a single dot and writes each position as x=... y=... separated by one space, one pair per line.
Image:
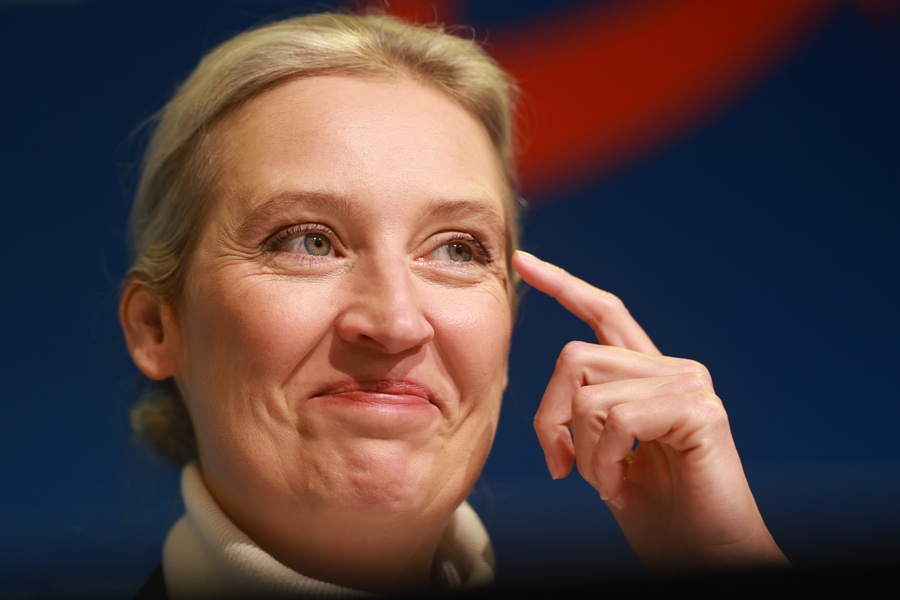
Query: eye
x=455 y=251
x=304 y=240
x=461 y=249
x=316 y=244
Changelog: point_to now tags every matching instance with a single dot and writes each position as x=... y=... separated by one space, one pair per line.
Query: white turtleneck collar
x=206 y=556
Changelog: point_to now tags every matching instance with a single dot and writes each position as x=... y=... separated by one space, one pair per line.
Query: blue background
x=763 y=243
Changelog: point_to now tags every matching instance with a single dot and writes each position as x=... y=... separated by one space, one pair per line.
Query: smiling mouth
x=384 y=409
x=379 y=392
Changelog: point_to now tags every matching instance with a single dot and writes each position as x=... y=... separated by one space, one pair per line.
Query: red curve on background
x=607 y=83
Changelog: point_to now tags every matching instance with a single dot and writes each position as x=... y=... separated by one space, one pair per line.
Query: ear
x=150 y=331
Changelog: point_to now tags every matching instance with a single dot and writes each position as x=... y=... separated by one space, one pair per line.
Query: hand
x=681 y=496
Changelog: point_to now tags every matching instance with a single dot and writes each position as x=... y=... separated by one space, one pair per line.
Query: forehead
x=357 y=138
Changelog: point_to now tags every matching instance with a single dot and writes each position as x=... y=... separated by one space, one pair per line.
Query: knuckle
x=694 y=380
x=609 y=305
x=619 y=417
x=613 y=302
x=709 y=406
x=573 y=352
x=689 y=365
x=540 y=422
x=582 y=401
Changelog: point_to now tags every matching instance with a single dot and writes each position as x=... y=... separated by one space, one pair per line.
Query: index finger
x=604 y=312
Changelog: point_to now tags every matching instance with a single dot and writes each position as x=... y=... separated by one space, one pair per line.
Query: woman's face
x=345 y=327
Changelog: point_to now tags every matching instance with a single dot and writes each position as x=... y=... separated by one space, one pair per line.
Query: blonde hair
x=179 y=168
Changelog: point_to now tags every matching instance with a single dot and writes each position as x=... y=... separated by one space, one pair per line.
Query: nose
x=385 y=311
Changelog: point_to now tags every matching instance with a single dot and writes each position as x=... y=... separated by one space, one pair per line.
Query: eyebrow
x=470 y=208
x=278 y=203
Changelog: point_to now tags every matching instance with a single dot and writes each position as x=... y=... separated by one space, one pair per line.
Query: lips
x=379 y=386
x=383 y=409
x=381 y=391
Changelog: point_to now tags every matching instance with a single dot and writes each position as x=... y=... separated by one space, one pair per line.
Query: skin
x=342 y=342
x=681 y=498
x=342 y=349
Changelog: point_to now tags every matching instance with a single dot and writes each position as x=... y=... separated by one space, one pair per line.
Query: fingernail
x=614 y=504
x=528 y=256
x=604 y=495
x=551 y=467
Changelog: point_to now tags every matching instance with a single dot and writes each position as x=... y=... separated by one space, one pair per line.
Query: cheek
x=251 y=333
x=475 y=343
x=245 y=340
x=275 y=326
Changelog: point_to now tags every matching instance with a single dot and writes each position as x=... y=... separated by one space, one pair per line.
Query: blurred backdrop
x=730 y=169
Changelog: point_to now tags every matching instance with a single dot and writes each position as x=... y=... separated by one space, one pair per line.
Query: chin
x=387 y=478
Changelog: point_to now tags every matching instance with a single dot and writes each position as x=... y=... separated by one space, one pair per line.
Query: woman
x=324 y=285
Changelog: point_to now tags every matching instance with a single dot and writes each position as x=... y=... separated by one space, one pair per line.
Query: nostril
x=387 y=331
x=386 y=311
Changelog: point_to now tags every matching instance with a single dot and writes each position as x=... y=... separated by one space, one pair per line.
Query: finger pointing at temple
x=613 y=326
x=604 y=312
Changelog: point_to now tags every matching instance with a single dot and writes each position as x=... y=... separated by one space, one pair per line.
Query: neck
x=380 y=555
